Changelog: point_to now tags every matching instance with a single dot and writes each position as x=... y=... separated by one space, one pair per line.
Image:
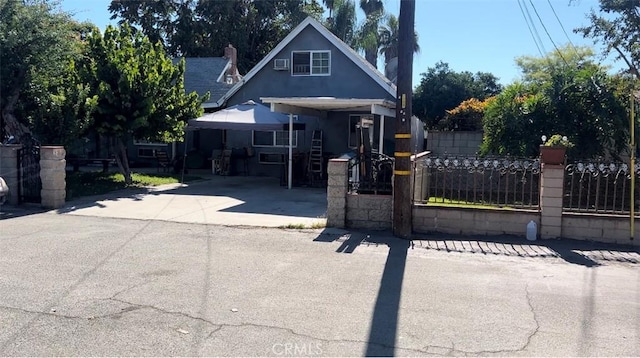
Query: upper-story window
x=311 y=63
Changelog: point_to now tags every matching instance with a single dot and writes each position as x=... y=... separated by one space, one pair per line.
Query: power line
x=548 y=35
x=562 y=26
x=530 y=29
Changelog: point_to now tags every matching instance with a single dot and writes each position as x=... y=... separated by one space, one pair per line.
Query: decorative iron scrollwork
x=480 y=165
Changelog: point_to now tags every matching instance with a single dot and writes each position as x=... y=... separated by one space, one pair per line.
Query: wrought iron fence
x=371 y=174
x=28 y=168
x=599 y=187
x=501 y=182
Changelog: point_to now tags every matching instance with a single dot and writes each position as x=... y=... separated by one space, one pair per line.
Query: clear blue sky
x=470 y=35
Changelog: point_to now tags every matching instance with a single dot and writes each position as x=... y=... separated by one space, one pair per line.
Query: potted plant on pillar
x=553 y=150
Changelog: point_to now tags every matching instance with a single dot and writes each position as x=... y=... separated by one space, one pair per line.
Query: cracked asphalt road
x=85 y=286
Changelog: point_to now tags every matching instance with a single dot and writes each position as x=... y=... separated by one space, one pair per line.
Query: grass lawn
x=94 y=183
x=438 y=201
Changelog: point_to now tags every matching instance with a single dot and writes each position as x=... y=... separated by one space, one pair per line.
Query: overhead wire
x=537 y=41
x=547 y=32
x=561 y=26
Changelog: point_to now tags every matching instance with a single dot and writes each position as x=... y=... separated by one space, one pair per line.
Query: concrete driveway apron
x=231 y=201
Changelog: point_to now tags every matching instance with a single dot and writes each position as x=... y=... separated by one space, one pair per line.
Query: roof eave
x=344 y=48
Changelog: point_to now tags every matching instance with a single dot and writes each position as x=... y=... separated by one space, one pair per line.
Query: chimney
x=231 y=53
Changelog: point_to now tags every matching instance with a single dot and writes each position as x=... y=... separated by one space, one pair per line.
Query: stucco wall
x=454 y=143
x=468 y=221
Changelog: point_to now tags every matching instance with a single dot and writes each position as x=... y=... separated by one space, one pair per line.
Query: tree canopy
x=368 y=38
x=140 y=92
x=201 y=28
x=443 y=89
x=560 y=93
x=38 y=44
x=617 y=27
x=342 y=22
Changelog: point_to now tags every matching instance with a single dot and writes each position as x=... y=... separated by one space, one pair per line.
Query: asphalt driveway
x=232 y=201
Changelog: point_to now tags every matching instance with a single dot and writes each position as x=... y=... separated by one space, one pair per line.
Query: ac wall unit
x=281 y=64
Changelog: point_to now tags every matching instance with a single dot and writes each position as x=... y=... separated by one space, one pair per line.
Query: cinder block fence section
x=52 y=174
x=350 y=210
x=9 y=170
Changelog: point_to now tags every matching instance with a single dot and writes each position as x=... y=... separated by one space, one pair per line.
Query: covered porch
x=342 y=120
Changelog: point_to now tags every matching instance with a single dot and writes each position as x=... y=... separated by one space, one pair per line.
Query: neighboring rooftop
x=206 y=74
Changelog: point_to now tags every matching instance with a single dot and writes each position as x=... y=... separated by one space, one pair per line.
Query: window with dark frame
x=273 y=138
x=311 y=63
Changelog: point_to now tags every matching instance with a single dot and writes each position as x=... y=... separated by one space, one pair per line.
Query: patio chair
x=163 y=160
x=225 y=162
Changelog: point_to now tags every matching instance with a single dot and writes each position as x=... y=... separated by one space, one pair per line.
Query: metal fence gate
x=29 y=180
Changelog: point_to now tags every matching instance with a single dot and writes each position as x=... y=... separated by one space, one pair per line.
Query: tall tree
x=201 y=28
x=368 y=38
x=330 y=4
x=617 y=27
x=388 y=36
x=140 y=92
x=443 y=89
x=37 y=41
x=343 y=21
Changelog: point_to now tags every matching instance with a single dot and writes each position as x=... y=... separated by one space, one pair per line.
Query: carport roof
x=300 y=104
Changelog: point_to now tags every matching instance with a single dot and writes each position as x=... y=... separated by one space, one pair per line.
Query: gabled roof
x=339 y=44
x=205 y=74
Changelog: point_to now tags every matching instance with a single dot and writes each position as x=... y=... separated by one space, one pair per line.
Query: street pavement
x=84 y=285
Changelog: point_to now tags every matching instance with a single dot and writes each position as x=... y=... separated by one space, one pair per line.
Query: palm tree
x=368 y=38
x=330 y=5
x=388 y=34
x=344 y=20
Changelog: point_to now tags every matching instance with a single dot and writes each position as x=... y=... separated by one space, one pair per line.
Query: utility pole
x=402 y=171
x=632 y=151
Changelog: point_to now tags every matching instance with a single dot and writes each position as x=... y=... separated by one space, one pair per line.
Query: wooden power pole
x=402 y=171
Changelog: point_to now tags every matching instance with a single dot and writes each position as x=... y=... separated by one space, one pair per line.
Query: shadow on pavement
x=135 y=194
x=584 y=253
x=254 y=195
x=11 y=211
x=384 y=320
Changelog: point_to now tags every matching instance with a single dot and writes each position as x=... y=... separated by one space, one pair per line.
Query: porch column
x=381 y=140
x=290 y=173
x=551 y=189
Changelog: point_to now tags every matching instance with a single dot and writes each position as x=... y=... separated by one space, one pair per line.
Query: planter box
x=552 y=155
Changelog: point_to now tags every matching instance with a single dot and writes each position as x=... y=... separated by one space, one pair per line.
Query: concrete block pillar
x=337 y=188
x=53 y=176
x=9 y=170
x=551 y=192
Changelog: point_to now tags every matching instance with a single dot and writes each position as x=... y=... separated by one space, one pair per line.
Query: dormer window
x=311 y=63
